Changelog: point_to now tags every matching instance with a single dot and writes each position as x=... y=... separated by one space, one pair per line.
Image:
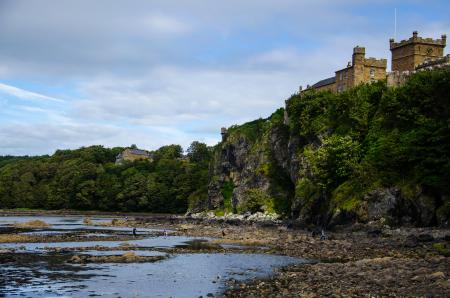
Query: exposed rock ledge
x=249 y=217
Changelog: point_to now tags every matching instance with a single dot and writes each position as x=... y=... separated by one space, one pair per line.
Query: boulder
x=425 y=238
x=382 y=203
x=426 y=207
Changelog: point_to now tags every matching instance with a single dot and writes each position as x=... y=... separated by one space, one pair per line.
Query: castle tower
x=358 y=56
x=224 y=133
x=361 y=70
x=407 y=54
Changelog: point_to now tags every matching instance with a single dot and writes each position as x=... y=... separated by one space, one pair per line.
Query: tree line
x=89 y=179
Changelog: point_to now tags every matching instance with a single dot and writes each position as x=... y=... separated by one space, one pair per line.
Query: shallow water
x=151 y=242
x=48 y=274
x=187 y=275
x=71 y=223
x=145 y=253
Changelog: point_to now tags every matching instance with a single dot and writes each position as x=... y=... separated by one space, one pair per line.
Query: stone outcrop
x=262 y=174
x=237 y=162
x=340 y=159
x=390 y=205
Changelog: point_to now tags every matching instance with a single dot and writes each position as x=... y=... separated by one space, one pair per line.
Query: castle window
x=372 y=73
x=345 y=75
x=340 y=76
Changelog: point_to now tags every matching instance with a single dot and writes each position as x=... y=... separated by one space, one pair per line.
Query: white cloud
x=24 y=94
x=288 y=57
x=176 y=96
x=45 y=138
x=166 y=71
x=163 y=25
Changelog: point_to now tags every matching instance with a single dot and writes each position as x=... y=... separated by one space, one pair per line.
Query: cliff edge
x=372 y=153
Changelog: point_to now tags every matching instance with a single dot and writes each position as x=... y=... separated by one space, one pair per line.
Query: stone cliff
x=246 y=176
x=319 y=171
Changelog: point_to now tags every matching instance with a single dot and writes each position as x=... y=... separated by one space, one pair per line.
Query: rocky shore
x=357 y=264
x=356 y=261
x=372 y=260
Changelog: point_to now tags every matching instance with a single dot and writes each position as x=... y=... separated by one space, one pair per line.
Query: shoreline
x=353 y=262
x=68 y=212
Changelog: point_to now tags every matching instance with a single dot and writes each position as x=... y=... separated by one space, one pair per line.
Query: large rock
x=381 y=203
x=215 y=197
x=391 y=205
x=237 y=161
x=426 y=209
x=443 y=212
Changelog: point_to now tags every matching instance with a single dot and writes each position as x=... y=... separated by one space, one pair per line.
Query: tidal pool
x=36 y=272
x=58 y=223
x=151 y=242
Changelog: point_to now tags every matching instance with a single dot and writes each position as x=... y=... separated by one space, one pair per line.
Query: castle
x=408 y=56
x=132 y=154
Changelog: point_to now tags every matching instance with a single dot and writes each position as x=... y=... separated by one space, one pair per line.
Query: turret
x=408 y=54
x=224 y=133
x=358 y=55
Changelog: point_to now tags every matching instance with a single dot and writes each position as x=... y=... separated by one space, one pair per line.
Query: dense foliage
x=373 y=136
x=89 y=179
x=334 y=151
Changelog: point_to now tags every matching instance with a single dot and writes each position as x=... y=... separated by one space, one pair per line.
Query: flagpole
x=395 y=23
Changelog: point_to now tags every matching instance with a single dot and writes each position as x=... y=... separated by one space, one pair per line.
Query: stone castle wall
x=362 y=70
x=398 y=78
x=330 y=87
x=372 y=70
x=430 y=64
x=128 y=155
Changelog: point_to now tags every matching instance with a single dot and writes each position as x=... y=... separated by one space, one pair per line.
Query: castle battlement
x=359 y=50
x=398 y=78
x=416 y=39
x=435 y=63
x=373 y=62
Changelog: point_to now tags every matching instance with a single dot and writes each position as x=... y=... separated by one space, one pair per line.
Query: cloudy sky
x=151 y=73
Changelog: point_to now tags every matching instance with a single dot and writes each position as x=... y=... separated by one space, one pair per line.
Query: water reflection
x=34 y=270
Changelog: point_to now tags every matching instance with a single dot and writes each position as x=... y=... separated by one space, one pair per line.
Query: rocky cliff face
x=254 y=169
x=269 y=173
x=336 y=159
x=236 y=164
